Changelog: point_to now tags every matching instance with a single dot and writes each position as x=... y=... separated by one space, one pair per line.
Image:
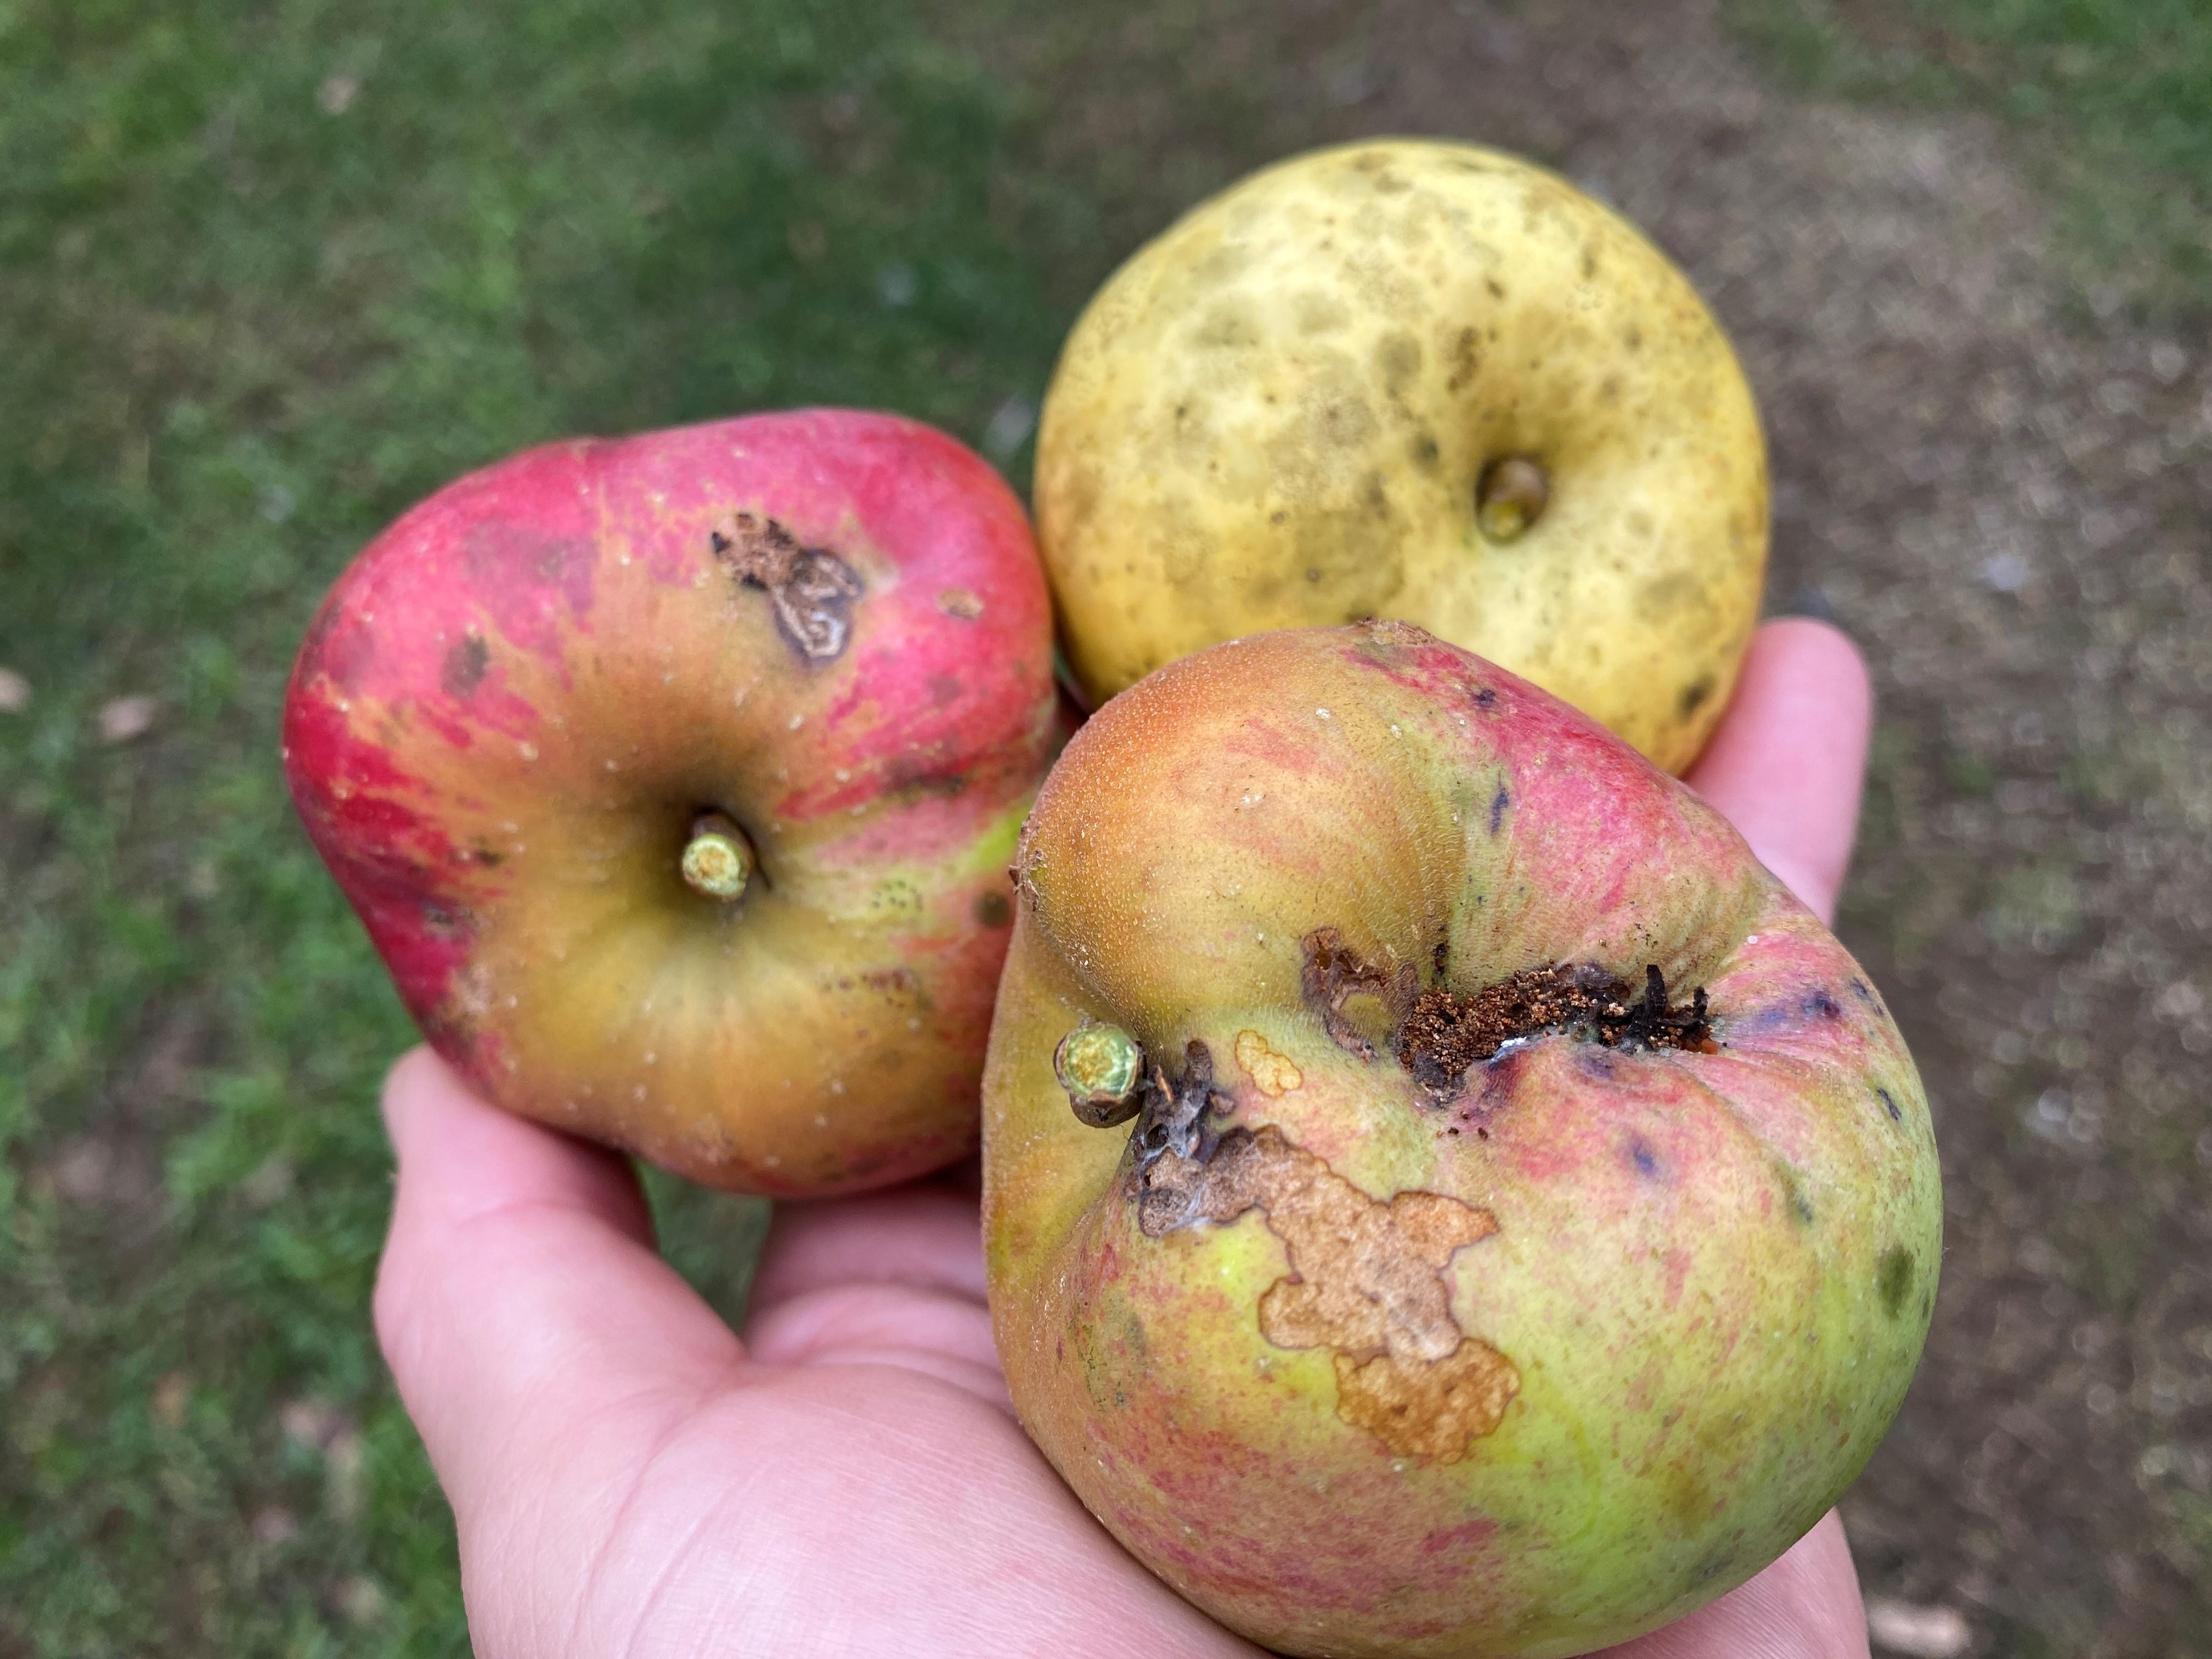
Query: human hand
x=845 y=1476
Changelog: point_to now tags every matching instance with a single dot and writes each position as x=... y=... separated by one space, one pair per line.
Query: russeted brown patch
x=1367 y=1281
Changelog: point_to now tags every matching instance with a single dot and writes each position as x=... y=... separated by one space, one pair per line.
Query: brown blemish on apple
x=811 y=590
x=1333 y=975
x=961 y=604
x=1367 y=1281
x=1446 y=1033
x=1273 y=1074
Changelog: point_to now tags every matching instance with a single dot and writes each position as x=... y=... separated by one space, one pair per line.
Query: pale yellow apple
x=1417 y=380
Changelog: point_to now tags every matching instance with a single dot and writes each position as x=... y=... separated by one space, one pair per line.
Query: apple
x=675 y=779
x=1443 y=1195
x=1420 y=380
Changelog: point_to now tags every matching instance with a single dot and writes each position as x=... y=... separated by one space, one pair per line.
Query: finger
x=1806 y=1606
x=519 y=1292
x=927 y=1236
x=1786 y=763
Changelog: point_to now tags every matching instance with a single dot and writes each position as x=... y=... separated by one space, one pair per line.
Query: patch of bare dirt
x=2010 y=508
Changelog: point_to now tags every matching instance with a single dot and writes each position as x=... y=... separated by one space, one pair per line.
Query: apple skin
x=1283 y=410
x=1526 y=1366
x=515 y=701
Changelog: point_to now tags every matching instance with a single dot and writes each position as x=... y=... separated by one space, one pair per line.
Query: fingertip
x=1785 y=764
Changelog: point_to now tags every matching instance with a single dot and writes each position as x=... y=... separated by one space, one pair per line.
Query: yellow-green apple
x=1421 y=380
x=1527 y=1218
x=676 y=780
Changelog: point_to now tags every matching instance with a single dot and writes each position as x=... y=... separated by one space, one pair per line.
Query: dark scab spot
x=1498 y=803
x=993 y=909
x=1645 y=1160
x=1863 y=991
x=1821 y=1005
x=1485 y=697
x=1425 y=451
x=1397 y=360
x=553 y=561
x=1597 y=1062
x=1693 y=696
x=1713 y=1567
x=464 y=666
x=1894 y=1283
x=1496 y=289
x=1889 y=1103
x=485 y=857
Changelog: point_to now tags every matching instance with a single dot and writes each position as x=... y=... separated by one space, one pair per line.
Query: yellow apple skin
x=1280 y=413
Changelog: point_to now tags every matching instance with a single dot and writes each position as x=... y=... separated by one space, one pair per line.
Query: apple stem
x=1511 y=496
x=1102 y=1069
x=718 y=859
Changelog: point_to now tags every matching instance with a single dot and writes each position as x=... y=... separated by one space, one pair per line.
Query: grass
x=267 y=274
x=2116 y=96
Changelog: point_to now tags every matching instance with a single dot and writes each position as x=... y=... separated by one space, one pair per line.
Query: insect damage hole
x=1446 y=1033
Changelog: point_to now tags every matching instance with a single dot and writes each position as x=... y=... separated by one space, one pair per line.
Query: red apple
x=675 y=778
x=1527 y=1218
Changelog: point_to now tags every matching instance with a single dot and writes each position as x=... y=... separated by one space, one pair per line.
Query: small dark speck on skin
x=1863 y=991
x=1821 y=1005
x=1485 y=697
x=1645 y=1160
x=1497 y=805
x=1896 y=1113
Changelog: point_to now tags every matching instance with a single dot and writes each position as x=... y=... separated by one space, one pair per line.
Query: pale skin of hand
x=845 y=1476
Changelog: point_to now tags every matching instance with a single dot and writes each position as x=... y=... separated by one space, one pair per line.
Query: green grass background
x=269 y=272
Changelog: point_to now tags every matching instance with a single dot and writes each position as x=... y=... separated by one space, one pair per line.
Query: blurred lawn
x=267 y=275
x=2119 y=91
x=265 y=278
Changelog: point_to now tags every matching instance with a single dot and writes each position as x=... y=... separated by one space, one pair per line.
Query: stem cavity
x=1510 y=497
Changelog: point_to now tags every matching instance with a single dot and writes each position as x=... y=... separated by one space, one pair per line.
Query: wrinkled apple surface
x=675 y=779
x=1520 y=1220
x=1414 y=379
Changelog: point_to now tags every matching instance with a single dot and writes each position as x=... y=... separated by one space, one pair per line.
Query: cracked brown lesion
x=1333 y=973
x=1367 y=1281
x=811 y=590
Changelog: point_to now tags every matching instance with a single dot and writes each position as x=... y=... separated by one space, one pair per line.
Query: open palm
x=845 y=1476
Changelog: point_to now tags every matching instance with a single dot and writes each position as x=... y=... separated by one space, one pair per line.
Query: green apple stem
x=1511 y=496
x=1102 y=1068
x=718 y=859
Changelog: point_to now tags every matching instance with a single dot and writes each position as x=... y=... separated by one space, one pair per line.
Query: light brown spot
x=1272 y=1073
x=960 y=602
x=1366 y=1280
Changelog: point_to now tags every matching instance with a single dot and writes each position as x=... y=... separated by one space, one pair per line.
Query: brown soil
x=2004 y=491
